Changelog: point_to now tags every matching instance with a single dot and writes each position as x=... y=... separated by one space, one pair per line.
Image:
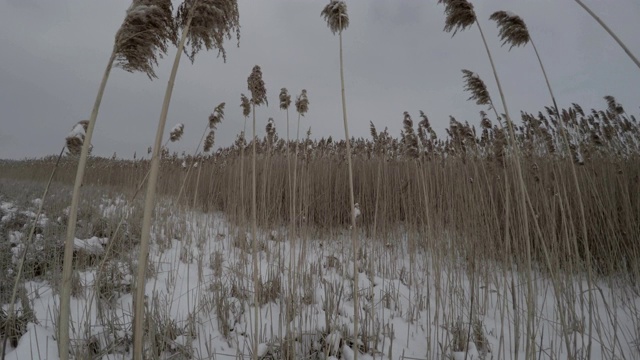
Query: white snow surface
x=413 y=302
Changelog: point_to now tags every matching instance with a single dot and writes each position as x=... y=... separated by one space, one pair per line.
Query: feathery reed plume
x=270 y=129
x=302 y=106
x=216 y=116
x=285 y=103
x=302 y=103
x=613 y=35
x=145 y=35
x=477 y=88
x=459 y=15
x=337 y=18
x=258 y=91
x=513 y=30
x=209 y=140
x=213 y=21
x=176 y=133
x=75 y=138
x=256 y=87
x=373 y=131
x=335 y=14
x=285 y=99
x=613 y=105
x=245 y=104
x=142 y=37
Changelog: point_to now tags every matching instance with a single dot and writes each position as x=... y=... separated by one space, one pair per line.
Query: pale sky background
x=397 y=58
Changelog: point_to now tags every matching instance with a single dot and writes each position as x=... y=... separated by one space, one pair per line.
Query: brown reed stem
x=67 y=268
x=138 y=331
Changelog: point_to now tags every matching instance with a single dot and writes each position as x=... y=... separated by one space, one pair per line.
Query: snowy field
x=415 y=302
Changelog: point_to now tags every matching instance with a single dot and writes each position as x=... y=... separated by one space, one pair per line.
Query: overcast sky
x=397 y=58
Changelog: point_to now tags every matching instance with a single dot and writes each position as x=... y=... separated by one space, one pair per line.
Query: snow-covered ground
x=414 y=303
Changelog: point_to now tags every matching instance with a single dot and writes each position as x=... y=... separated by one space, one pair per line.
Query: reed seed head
x=213 y=21
x=176 y=133
x=613 y=105
x=407 y=123
x=75 y=138
x=256 y=87
x=513 y=29
x=216 y=116
x=144 y=36
x=336 y=16
x=459 y=15
x=302 y=103
x=477 y=88
x=270 y=128
x=209 y=140
x=285 y=99
x=373 y=131
x=245 y=104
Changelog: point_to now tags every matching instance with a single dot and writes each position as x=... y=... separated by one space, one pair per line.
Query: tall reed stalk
x=214 y=20
x=607 y=29
x=337 y=18
x=144 y=35
x=258 y=92
x=513 y=31
x=460 y=15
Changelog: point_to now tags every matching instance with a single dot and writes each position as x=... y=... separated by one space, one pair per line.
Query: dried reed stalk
x=213 y=20
x=337 y=18
x=147 y=30
x=607 y=29
x=459 y=16
x=258 y=91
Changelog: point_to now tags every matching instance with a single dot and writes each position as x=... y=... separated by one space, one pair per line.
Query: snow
x=37 y=343
x=93 y=246
x=177 y=128
x=415 y=304
x=77 y=132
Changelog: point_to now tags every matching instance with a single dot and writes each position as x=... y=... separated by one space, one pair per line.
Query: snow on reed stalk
x=258 y=91
x=337 y=18
x=204 y=24
x=607 y=29
x=143 y=37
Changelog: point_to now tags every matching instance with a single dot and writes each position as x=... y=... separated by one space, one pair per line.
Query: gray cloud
x=396 y=58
